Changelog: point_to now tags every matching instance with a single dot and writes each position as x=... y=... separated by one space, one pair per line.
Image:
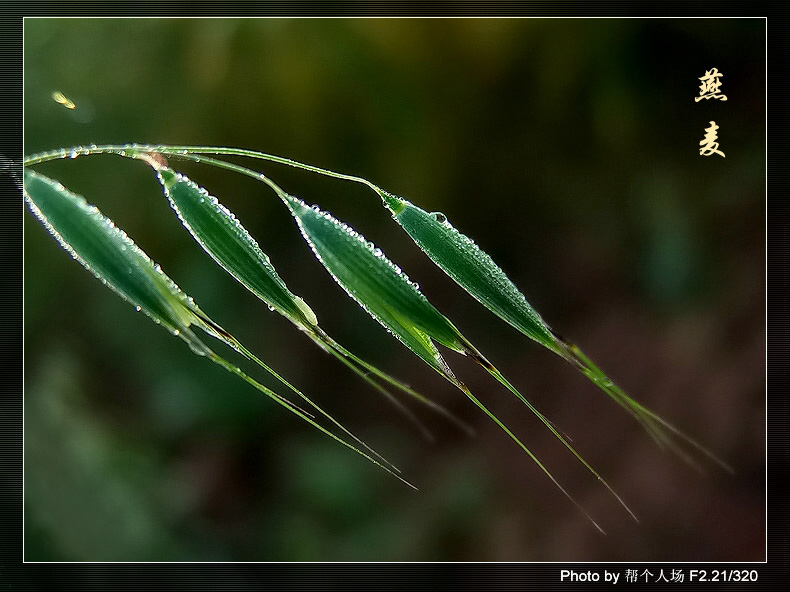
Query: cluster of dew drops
x=488 y=263
x=372 y=248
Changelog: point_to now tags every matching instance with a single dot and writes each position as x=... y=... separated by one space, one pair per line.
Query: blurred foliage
x=568 y=149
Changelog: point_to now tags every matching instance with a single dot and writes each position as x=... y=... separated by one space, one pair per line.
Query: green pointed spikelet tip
x=168 y=177
x=394 y=203
x=296 y=205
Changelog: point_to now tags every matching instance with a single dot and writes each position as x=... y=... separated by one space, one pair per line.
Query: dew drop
x=439 y=217
x=200 y=350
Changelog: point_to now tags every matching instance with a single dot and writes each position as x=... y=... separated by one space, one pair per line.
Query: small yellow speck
x=60 y=98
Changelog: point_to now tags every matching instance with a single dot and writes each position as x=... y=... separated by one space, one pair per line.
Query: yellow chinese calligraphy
x=709 y=144
x=709 y=89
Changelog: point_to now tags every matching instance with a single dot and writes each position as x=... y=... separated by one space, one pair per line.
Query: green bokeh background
x=568 y=149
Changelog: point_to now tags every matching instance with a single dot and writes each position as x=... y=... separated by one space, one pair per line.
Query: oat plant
x=377 y=284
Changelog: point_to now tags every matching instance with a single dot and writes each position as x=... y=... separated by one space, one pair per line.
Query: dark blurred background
x=568 y=149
